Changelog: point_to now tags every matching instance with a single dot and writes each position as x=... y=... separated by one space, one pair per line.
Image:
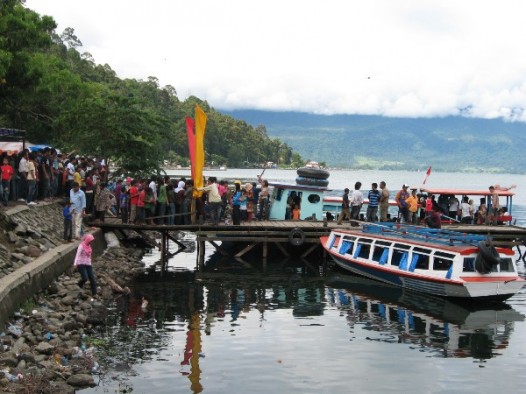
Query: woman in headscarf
x=179 y=194
x=83 y=263
x=250 y=201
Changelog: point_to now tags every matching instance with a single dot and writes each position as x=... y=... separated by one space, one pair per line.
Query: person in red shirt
x=134 y=197
x=7 y=174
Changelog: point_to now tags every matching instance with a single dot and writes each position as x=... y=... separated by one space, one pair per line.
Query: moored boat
x=432 y=261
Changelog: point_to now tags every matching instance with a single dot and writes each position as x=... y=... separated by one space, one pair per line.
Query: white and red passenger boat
x=432 y=261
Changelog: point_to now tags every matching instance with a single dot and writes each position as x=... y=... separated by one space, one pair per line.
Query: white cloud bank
x=395 y=58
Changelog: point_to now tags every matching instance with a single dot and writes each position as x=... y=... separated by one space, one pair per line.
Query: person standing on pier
x=384 y=201
x=236 y=205
x=78 y=208
x=345 y=212
x=356 y=203
x=214 y=199
x=372 y=208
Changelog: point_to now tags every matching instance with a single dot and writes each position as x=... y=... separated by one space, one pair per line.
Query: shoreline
x=45 y=345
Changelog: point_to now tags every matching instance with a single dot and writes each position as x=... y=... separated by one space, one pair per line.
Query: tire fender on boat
x=309 y=172
x=296 y=237
x=487 y=257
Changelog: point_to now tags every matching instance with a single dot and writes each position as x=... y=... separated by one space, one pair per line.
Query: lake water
x=310 y=328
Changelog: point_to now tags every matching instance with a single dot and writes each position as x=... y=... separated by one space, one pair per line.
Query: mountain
x=451 y=143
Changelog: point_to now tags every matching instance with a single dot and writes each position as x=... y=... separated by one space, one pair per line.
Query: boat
x=432 y=261
x=309 y=190
x=504 y=217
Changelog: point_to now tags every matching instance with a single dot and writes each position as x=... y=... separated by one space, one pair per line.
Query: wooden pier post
x=265 y=254
x=201 y=254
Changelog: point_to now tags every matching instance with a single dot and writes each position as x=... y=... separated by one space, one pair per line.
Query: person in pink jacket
x=83 y=263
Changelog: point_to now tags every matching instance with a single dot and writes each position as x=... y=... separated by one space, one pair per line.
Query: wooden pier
x=297 y=239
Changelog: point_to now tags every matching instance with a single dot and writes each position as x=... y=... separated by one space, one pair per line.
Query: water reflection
x=202 y=328
x=431 y=324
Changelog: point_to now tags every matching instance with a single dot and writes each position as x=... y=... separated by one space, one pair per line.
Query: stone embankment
x=46 y=319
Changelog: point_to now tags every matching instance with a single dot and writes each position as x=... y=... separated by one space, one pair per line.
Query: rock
x=81 y=380
x=44 y=348
x=33 y=251
x=17 y=256
x=69 y=300
x=20 y=229
x=12 y=237
x=9 y=360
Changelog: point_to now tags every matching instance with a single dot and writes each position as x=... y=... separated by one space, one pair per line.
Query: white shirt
x=356 y=198
x=22 y=166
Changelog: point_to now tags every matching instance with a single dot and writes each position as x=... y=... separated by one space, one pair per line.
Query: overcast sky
x=394 y=58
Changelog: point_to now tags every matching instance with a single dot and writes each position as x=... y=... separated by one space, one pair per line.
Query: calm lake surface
x=298 y=327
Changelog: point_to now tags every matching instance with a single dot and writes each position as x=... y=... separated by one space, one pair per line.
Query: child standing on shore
x=83 y=264
x=68 y=222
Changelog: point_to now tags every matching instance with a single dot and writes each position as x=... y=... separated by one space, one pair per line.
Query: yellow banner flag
x=200 y=126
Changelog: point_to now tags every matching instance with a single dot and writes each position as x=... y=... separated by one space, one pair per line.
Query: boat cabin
x=309 y=198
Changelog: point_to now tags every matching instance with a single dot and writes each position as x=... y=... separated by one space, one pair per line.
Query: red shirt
x=134 y=195
x=7 y=172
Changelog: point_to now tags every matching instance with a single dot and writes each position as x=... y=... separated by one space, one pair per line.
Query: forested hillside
x=375 y=142
x=62 y=97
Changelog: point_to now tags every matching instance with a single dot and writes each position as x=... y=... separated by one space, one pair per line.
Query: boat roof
x=447 y=239
x=466 y=192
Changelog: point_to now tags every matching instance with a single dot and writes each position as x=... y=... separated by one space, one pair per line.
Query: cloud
x=408 y=58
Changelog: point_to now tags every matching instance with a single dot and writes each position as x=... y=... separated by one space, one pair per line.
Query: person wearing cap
x=401 y=201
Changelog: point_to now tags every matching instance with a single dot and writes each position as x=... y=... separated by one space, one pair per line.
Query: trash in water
x=48 y=336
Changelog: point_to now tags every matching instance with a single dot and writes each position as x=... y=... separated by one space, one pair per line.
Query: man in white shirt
x=22 y=171
x=356 y=203
x=214 y=199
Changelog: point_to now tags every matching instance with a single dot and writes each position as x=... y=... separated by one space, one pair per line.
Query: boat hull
x=496 y=291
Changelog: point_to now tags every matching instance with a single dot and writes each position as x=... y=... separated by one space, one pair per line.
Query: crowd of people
x=30 y=177
x=420 y=208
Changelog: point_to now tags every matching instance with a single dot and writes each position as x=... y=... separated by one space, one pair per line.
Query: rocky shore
x=45 y=347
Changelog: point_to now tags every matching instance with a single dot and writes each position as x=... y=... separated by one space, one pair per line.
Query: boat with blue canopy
x=433 y=261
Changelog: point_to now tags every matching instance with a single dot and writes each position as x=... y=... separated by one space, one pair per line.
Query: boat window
x=278 y=194
x=314 y=198
x=506 y=265
x=402 y=246
x=419 y=261
x=346 y=245
x=363 y=250
x=441 y=263
x=383 y=243
x=469 y=264
x=380 y=254
x=398 y=256
x=446 y=255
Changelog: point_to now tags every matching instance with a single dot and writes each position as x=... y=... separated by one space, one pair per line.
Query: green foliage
x=62 y=97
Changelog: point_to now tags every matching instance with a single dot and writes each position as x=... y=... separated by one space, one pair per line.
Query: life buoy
x=306 y=181
x=311 y=172
x=486 y=258
x=296 y=236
